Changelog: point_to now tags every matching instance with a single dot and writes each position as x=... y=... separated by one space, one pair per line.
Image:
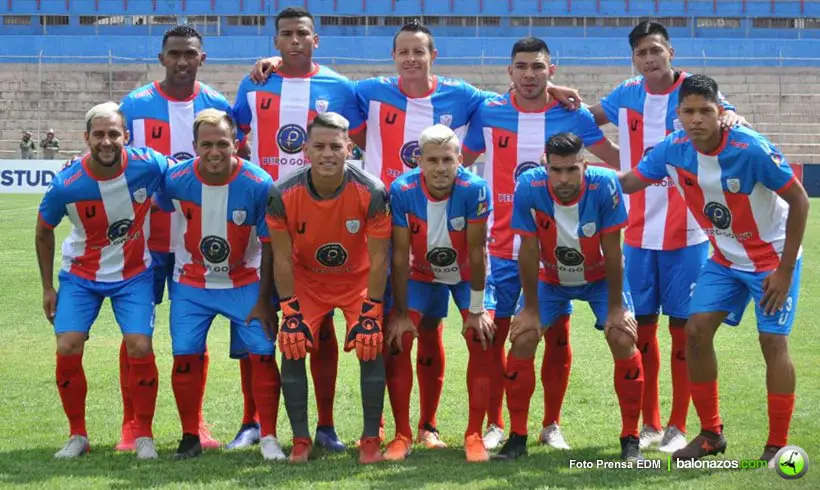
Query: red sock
x=680 y=380
x=707 y=404
x=495 y=405
x=73 y=388
x=143 y=381
x=206 y=362
x=629 y=387
x=430 y=371
x=266 y=391
x=651 y=363
x=520 y=384
x=127 y=406
x=478 y=384
x=186 y=380
x=555 y=369
x=781 y=406
x=249 y=406
x=399 y=372
x=324 y=364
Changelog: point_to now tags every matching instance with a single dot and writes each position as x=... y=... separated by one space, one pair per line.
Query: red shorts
x=315 y=303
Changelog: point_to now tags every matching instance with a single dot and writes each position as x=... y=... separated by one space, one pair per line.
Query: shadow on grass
x=105 y=468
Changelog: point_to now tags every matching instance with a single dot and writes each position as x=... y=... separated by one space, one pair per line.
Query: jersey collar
x=550 y=104
x=724 y=139
x=680 y=76
x=171 y=99
x=428 y=94
x=231 y=178
x=311 y=73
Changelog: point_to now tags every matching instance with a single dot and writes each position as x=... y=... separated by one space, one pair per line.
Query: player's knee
x=620 y=341
x=698 y=326
x=774 y=346
x=527 y=342
x=70 y=343
x=138 y=346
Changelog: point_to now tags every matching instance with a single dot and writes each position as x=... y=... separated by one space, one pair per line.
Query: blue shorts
x=194 y=309
x=553 y=300
x=431 y=299
x=504 y=289
x=79 y=301
x=238 y=350
x=162 y=264
x=721 y=288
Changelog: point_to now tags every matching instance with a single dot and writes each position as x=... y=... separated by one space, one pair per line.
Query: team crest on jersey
x=140 y=195
x=523 y=167
x=291 y=138
x=589 y=229
x=353 y=225
x=239 y=216
x=458 y=223
x=733 y=185
x=322 y=105
x=446 y=119
x=410 y=153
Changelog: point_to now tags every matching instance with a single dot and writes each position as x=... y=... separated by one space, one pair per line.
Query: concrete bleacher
x=783 y=103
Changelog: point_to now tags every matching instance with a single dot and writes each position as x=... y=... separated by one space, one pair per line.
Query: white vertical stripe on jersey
x=530 y=148
x=710 y=182
x=294 y=105
x=566 y=223
x=418 y=117
x=116 y=200
x=215 y=223
x=254 y=136
x=770 y=212
x=438 y=235
x=489 y=173
x=71 y=245
x=657 y=196
x=182 y=256
x=625 y=147
x=253 y=254
x=374 y=152
x=138 y=135
x=181 y=124
x=146 y=233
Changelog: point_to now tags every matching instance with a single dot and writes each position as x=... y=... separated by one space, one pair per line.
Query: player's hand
x=566 y=96
x=264 y=312
x=622 y=320
x=731 y=119
x=775 y=290
x=295 y=339
x=50 y=304
x=528 y=320
x=366 y=335
x=399 y=324
x=482 y=326
x=263 y=69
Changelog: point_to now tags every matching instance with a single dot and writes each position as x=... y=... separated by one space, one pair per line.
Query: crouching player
x=330 y=232
x=221 y=241
x=440 y=216
x=569 y=217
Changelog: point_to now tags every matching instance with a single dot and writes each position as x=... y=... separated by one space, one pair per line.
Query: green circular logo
x=792 y=462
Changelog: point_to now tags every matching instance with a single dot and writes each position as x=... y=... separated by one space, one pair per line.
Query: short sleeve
x=241 y=110
x=476 y=97
x=378 y=214
x=126 y=108
x=474 y=140
x=351 y=110
x=652 y=167
x=362 y=89
x=480 y=205
x=260 y=208
x=589 y=132
x=611 y=104
x=398 y=210
x=275 y=210
x=52 y=207
x=523 y=222
x=771 y=167
x=611 y=204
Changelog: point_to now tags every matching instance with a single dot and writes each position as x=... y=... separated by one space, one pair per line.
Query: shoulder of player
x=465 y=178
x=359 y=177
x=145 y=155
x=405 y=182
x=634 y=83
x=371 y=87
x=450 y=83
x=329 y=73
x=208 y=92
x=292 y=181
x=71 y=171
x=142 y=94
x=748 y=142
x=534 y=177
x=253 y=175
x=599 y=175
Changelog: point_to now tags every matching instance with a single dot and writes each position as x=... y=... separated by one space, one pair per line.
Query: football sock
x=629 y=388
x=127 y=407
x=372 y=383
x=399 y=372
x=478 y=384
x=324 y=364
x=143 y=382
x=520 y=384
x=186 y=380
x=295 y=390
x=72 y=386
x=430 y=372
x=249 y=406
x=555 y=369
x=651 y=363
x=781 y=406
x=266 y=386
x=495 y=405
x=707 y=404
x=680 y=379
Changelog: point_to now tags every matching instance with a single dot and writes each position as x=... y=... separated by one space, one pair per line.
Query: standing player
x=569 y=217
x=107 y=197
x=662 y=240
x=440 y=215
x=276 y=115
x=330 y=233
x=512 y=130
x=221 y=240
x=160 y=116
x=743 y=193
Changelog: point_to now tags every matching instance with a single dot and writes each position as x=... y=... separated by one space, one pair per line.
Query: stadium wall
x=481 y=50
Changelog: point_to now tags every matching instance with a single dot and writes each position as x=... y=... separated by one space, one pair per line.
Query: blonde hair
x=100 y=111
x=439 y=135
x=214 y=117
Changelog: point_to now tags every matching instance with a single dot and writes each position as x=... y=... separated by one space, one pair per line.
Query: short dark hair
x=293 y=13
x=701 y=85
x=529 y=45
x=647 y=28
x=564 y=145
x=184 y=31
x=416 y=26
x=330 y=120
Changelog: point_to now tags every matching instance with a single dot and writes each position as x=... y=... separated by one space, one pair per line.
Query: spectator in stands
x=50 y=145
x=28 y=150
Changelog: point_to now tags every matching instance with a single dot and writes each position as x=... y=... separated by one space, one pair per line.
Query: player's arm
x=651 y=169
x=607 y=151
x=613 y=267
x=599 y=114
x=527 y=322
x=401 y=269
x=282 y=249
x=566 y=96
x=798 y=201
x=44 y=245
x=377 y=278
x=478 y=319
x=528 y=265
